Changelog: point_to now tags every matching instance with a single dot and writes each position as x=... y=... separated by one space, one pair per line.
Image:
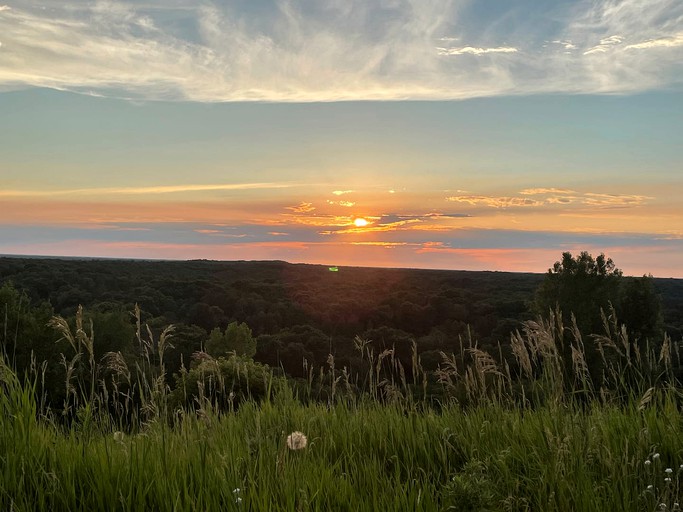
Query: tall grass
x=538 y=431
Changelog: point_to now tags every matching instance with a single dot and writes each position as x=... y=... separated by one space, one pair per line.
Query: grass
x=548 y=439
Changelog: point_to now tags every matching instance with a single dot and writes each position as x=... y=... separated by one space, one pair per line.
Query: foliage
x=237 y=338
x=360 y=456
x=580 y=286
x=640 y=306
x=223 y=383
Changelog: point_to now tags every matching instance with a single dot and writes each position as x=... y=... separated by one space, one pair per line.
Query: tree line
x=293 y=317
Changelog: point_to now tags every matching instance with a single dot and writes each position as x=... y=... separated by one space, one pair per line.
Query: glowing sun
x=360 y=222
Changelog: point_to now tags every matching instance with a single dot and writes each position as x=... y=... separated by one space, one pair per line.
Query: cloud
x=567 y=45
x=561 y=197
x=341 y=192
x=346 y=204
x=614 y=200
x=608 y=32
x=496 y=202
x=302 y=208
x=302 y=51
x=151 y=190
x=539 y=191
x=637 y=253
x=386 y=245
x=664 y=42
x=475 y=51
x=604 y=45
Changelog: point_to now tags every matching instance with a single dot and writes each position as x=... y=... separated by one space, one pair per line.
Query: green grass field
x=542 y=449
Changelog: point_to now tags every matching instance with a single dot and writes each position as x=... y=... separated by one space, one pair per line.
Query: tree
x=236 y=338
x=587 y=288
x=582 y=286
x=640 y=309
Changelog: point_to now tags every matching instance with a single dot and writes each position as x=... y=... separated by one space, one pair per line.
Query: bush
x=223 y=383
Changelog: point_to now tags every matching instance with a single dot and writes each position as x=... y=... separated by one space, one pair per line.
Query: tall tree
x=582 y=286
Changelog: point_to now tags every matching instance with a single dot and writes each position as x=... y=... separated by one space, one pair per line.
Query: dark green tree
x=640 y=309
x=582 y=286
x=236 y=338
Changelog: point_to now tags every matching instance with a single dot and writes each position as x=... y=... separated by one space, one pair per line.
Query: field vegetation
x=107 y=409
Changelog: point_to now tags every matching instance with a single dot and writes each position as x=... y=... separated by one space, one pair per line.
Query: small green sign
x=333 y=269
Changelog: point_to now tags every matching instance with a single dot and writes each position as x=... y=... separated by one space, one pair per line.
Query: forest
x=293 y=317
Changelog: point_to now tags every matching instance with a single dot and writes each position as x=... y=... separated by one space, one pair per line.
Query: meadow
x=544 y=434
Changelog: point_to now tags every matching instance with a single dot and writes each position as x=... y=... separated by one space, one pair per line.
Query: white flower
x=667 y=480
x=655 y=457
x=668 y=471
x=650 y=487
x=296 y=440
x=648 y=462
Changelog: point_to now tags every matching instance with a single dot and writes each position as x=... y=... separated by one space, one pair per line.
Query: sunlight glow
x=360 y=222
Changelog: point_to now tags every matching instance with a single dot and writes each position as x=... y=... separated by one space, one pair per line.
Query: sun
x=360 y=222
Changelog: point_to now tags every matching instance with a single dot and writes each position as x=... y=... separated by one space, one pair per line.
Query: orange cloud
x=302 y=208
x=496 y=202
x=537 y=191
x=152 y=190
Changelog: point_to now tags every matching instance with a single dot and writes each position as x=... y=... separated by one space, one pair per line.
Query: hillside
x=295 y=312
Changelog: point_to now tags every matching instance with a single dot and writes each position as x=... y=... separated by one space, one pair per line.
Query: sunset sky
x=482 y=135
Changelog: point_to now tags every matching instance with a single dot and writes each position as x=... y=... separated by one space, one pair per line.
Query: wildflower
x=296 y=440
x=118 y=436
x=668 y=471
x=650 y=487
x=667 y=480
x=648 y=462
x=655 y=457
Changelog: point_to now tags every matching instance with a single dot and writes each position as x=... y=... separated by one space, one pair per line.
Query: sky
x=450 y=134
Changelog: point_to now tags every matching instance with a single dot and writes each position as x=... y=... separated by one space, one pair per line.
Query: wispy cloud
x=302 y=208
x=133 y=191
x=604 y=45
x=284 y=51
x=561 y=197
x=664 y=42
x=608 y=34
x=539 y=191
x=567 y=45
x=475 y=51
x=496 y=202
x=614 y=200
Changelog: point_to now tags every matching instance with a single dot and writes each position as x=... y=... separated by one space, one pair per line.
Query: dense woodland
x=291 y=317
